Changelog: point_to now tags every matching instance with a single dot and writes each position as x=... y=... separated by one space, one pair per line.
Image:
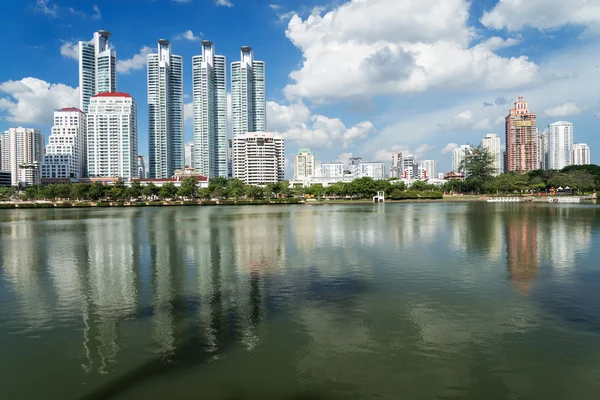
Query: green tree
x=478 y=167
x=167 y=191
x=254 y=192
x=315 y=190
x=97 y=191
x=150 y=191
x=189 y=188
x=134 y=191
x=235 y=188
x=63 y=191
x=117 y=191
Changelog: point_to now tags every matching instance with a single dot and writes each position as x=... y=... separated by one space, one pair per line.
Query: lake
x=388 y=301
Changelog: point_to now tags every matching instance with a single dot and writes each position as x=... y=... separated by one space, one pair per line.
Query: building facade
x=66 y=150
x=458 y=155
x=141 y=167
x=97 y=68
x=521 y=139
x=330 y=170
x=248 y=100
x=304 y=164
x=427 y=169
x=20 y=148
x=112 y=136
x=209 y=83
x=560 y=145
x=259 y=158
x=189 y=155
x=5 y=178
x=165 y=112
x=543 y=150
x=363 y=169
x=491 y=143
x=581 y=154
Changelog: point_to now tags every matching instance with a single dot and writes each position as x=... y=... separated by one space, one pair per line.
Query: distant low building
x=454 y=176
x=29 y=174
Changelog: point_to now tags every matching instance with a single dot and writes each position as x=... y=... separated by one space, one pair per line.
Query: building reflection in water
x=522 y=260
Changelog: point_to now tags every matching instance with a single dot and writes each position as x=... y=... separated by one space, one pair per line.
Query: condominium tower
x=209 y=83
x=66 y=150
x=112 y=136
x=491 y=142
x=248 y=101
x=521 y=139
x=259 y=158
x=458 y=155
x=165 y=112
x=304 y=164
x=22 y=150
x=543 y=150
x=426 y=169
x=97 y=68
x=581 y=154
x=560 y=145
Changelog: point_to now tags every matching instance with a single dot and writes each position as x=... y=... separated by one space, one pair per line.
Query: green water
x=394 y=301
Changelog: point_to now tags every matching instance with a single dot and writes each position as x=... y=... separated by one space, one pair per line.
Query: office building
x=259 y=158
x=21 y=148
x=543 y=150
x=209 y=82
x=165 y=112
x=491 y=143
x=458 y=155
x=581 y=154
x=66 y=150
x=560 y=145
x=304 y=164
x=229 y=158
x=141 y=167
x=330 y=170
x=97 y=68
x=112 y=149
x=396 y=170
x=521 y=139
x=5 y=178
x=189 y=155
x=29 y=174
x=364 y=169
x=427 y=169
x=248 y=101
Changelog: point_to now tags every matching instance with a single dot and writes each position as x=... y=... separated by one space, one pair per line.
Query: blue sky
x=360 y=77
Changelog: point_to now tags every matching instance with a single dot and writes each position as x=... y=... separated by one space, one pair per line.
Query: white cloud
x=188 y=35
x=70 y=50
x=448 y=148
x=46 y=8
x=224 y=3
x=32 y=100
x=565 y=110
x=466 y=120
x=182 y=1
x=97 y=15
x=73 y=11
x=514 y=15
x=274 y=6
x=424 y=148
x=499 y=121
x=188 y=111
x=298 y=126
x=135 y=63
x=411 y=47
x=385 y=155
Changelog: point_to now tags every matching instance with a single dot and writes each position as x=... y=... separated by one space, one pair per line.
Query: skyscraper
x=427 y=169
x=22 y=150
x=210 y=112
x=491 y=142
x=66 y=150
x=458 y=155
x=112 y=136
x=141 y=167
x=189 y=154
x=165 y=111
x=97 y=68
x=304 y=164
x=248 y=101
x=543 y=150
x=259 y=158
x=581 y=154
x=560 y=145
x=521 y=139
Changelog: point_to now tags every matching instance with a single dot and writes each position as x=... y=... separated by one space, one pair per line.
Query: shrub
x=82 y=204
x=209 y=203
x=7 y=205
x=44 y=205
x=103 y=204
x=190 y=203
x=227 y=202
x=26 y=205
x=117 y=204
x=415 y=195
x=64 y=205
x=155 y=203
x=138 y=204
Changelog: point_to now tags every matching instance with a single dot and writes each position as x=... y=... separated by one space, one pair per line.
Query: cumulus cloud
x=424 y=148
x=224 y=3
x=188 y=35
x=135 y=63
x=46 y=8
x=70 y=50
x=466 y=120
x=347 y=55
x=515 y=15
x=448 y=148
x=298 y=125
x=564 y=110
x=32 y=100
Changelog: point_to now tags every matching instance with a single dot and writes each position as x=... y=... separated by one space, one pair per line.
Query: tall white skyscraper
x=491 y=142
x=112 y=136
x=248 y=101
x=210 y=112
x=543 y=150
x=304 y=164
x=581 y=154
x=66 y=150
x=189 y=154
x=458 y=155
x=259 y=158
x=22 y=149
x=165 y=111
x=560 y=145
x=427 y=169
x=97 y=68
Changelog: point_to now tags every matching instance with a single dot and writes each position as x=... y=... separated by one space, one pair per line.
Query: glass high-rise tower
x=165 y=112
x=248 y=101
x=210 y=112
x=97 y=68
